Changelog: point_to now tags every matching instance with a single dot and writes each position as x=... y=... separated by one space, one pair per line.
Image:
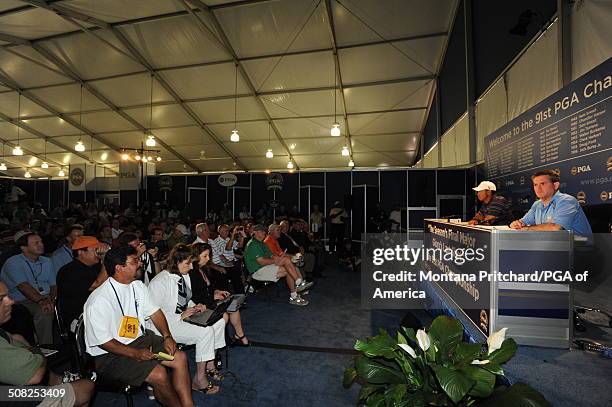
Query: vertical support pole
x=564 y=42
x=470 y=78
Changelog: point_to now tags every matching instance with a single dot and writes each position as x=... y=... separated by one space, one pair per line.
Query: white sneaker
x=150 y=393
x=298 y=301
x=303 y=286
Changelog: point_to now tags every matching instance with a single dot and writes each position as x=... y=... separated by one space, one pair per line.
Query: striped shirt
x=499 y=207
x=218 y=248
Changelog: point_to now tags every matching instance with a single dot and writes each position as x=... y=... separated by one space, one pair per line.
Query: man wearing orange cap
x=77 y=279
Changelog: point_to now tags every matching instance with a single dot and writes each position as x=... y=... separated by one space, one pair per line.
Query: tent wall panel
x=591 y=33
x=491 y=114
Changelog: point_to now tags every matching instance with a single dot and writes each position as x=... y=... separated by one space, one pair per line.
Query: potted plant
x=437 y=368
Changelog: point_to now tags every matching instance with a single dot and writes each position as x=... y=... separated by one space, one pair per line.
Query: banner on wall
x=80 y=175
x=567 y=132
x=274 y=181
x=129 y=175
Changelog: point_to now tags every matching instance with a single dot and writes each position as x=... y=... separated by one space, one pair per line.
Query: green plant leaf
x=365 y=391
x=505 y=353
x=454 y=383
x=446 y=331
x=379 y=345
x=493 y=367
x=375 y=400
x=377 y=373
x=409 y=333
x=401 y=338
x=518 y=395
x=350 y=374
x=466 y=352
x=485 y=381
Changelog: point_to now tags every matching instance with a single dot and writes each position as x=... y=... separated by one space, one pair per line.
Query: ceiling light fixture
x=150 y=141
x=17 y=149
x=137 y=157
x=80 y=147
x=151 y=138
x=45 y=164
x=345 y=151
x=61 y=173
x=269 y=153
x=235 y=137
x=158 y=158
x=290 y=164
x=351 y=163
x=27 y=173
x=104 y=156
x=125 y=156
x=335 y=129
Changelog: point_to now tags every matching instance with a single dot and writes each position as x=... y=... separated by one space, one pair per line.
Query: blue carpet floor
x=262 y=376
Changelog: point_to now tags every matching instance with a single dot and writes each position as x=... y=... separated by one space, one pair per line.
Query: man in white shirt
x=223 y=254
x=123 y=350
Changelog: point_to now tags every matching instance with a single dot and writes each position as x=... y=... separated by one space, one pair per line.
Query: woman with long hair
x=206 y=291
x=171 y=290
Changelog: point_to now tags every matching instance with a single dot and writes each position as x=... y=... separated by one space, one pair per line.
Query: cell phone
x=163 y=356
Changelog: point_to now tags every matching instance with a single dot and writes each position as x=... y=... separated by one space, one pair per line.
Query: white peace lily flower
x=480 y=362
x=495 y=340
x=423 y=340
x=408 y=349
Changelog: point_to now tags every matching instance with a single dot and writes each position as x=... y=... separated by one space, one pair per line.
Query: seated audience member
x=264 y=266
x=157 y=238
x=307 y=240
x=180 y=235
x=150 y=265
x=172 y=291
x=223 y=255
x=123 y=350
x=31 y=281
x=271 y=241
x=203 y=234
x=77 y=279
x=14 y=249
x=20 y=366
x=116 y=229
x=106 y=235
x=63 y=254
x=205 y=292
x=293 y=247
x=495 y=209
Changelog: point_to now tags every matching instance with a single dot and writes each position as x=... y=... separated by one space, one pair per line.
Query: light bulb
x=61 y=173
x=3 y=167
x=269 y=153
x=149 y=158
x=44 y=165
x=158 y=158
x=345 y=151
x=125 y=156
x=351 y=163
x=290 y=164
x=17 y=150
x=27 y=174
x=335 y=130
x=104 y=156
x=144 y=159
x=267 y=171
x=150 y=141
x=235 y=137
x=137 y=157
x=80 y=147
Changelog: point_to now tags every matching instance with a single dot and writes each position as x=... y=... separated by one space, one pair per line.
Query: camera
x=149 y=245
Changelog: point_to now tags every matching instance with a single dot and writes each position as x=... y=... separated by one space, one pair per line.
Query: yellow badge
x=129 y=327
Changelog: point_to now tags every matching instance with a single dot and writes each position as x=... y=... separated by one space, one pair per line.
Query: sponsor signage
x=164 y=183
x=567 y=132
x=274 y=181
x=228 y=180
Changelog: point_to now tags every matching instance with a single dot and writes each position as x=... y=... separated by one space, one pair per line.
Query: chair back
x=83 y=357
x=59 y=319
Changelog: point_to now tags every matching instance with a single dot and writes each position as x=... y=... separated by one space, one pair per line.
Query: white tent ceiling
x=376 y=59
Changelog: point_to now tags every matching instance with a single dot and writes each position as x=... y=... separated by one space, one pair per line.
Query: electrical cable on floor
x=239 y=390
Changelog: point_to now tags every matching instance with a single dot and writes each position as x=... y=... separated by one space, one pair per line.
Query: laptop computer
x=237 y=301
x=209 y=317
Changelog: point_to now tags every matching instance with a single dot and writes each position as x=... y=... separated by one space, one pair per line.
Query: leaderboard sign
x=567 y=132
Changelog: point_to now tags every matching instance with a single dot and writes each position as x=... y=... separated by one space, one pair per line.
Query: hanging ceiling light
x=80 y=147
x=104 y=156
x=151 y=138
x=335 y=129
x=61 y=173
x=149 y=158
x=290 y=164
x=27 y=174
x=269 y=153
x=45 y=164
x=137 y=157
x=351 y=163
x=345 y=151
x=235 y=137
x=125 y=156
x=3 y=166
x=150 y=141
x=158 y=158
x=17 y=149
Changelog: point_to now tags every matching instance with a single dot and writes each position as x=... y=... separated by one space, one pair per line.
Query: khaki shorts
x=267 y=273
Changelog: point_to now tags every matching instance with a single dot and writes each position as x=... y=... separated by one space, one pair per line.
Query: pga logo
x=581 y=197
x=580 y=169
x=605 y=195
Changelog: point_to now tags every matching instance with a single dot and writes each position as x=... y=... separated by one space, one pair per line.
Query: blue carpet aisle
x=279 y=377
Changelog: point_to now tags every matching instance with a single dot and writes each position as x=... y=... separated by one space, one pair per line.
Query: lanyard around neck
x=32 y=271
x=119 y=301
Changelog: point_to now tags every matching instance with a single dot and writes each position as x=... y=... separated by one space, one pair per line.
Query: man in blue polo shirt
x=30 y=279
x=554 y=210
x=63 y=254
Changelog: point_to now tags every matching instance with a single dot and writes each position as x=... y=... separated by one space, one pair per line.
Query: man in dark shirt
x=495 y=209
x=293 y=247
x=77 y=279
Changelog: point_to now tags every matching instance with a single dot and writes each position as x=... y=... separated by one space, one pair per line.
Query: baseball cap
x=86 y=242
x=259 y=227
x=485 y=186
x=20 y=233
x=182 y=228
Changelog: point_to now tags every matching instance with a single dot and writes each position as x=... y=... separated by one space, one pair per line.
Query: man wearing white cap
x=495 y=209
